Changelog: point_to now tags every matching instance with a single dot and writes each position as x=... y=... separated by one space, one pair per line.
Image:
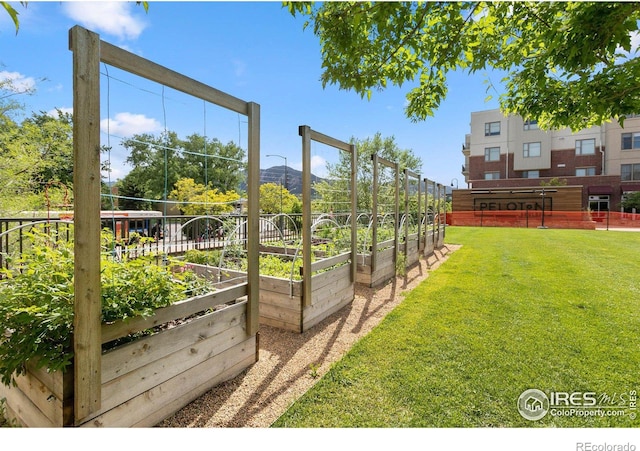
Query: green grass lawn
x=513 y=309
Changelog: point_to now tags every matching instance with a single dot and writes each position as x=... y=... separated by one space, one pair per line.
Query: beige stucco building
x=507 y=151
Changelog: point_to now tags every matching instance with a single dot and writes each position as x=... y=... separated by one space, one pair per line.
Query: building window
x=491 y=128
x=530 y=125
x=491 y=175
x=630 y=141
x=531 y=150
x=586 y=146
x=630 y=172
x=530 y=174
x=583 y=172
x=492 y=154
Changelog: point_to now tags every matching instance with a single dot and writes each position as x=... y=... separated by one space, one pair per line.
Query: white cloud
x=16 y=82
x=54 y=112
x=635 y=41
x=128 y=124
x=318 y=164
x=624 y=55
x=114 y=18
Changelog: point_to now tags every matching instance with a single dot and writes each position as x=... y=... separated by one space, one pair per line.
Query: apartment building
x=510 y=152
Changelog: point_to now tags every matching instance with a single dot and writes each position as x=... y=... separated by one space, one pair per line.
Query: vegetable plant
x=37 y=300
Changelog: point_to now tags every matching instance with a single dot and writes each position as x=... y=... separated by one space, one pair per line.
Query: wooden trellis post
x=86 y=178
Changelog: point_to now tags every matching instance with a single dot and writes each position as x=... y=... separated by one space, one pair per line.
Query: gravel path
x=290 y=363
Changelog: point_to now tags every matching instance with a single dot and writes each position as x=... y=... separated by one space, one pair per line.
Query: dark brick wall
x=568 y=157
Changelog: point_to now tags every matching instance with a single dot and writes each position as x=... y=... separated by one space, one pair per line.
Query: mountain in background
x=276 y=174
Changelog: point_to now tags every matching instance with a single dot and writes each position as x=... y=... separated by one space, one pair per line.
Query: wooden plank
x=178 y=310
x=364 y=260
x=330 y=261
x=49 y=404
x=137 y=65
x=328 y=140
x=280 y=285
x=364 y=278
x=354 y=212
x=312 y=317
x=146 y=350
x=275 y=316
x=374 y=209
x=86 y=179
x=159 y=370
x=24 y=410
x=166 y=410
x=332 y=290
x=253 y=218
x=386 y=244
x=279 y=300
x=179 y=390
x=328 y=277
x=306 y=133
x=280 y=324
x=60 y=384
x=13 y=417
x=387 y=163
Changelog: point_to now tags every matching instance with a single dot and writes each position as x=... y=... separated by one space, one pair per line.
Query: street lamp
x=285 y=168
x=456 y=182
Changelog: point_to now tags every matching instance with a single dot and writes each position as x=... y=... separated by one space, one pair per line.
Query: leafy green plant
x=4 y=421
x=37 y=300
x=401 y=260
x=313 y=370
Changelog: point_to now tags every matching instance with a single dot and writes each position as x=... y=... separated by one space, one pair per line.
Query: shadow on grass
x=291 y=363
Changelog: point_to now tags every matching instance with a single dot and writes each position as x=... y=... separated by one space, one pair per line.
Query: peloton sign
x=514 y=204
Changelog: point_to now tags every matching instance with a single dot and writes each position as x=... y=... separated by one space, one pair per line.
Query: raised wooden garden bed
x=375 y=274
x=202 y=342
x=282 y=302
x=411 y=250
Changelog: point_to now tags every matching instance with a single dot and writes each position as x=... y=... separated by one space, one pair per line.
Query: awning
x=629 y=187
x=600 y=190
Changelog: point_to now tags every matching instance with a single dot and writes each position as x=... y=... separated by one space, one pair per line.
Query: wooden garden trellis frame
x=309 y=135
x=410 y=174
x=429 y=183
x=442 y=219
x=374 y=207
x=88 y=52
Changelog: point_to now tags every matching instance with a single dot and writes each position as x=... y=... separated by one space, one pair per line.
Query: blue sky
x=255 y=51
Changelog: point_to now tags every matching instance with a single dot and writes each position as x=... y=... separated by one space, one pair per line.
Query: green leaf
x=13 y=13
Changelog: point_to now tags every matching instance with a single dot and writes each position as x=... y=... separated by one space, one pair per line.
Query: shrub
x=37 y=300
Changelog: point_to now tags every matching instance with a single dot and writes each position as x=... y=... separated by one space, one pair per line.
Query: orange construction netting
x=552 y=219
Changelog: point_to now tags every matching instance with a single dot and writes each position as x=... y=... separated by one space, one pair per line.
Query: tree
x=567 y=64
x=555 y=181
x=159 y=162
x=36 y=163
x=198 y=199
x=274 y=198
x=333 y=191
x=210 y=161
x=632 y=201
